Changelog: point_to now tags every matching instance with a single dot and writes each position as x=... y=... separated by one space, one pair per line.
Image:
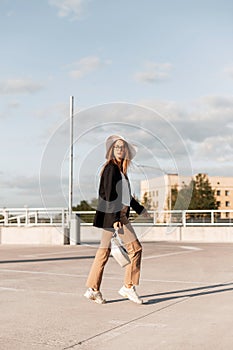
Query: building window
x=227 y=204
x=218 y=193
x=227 y=193
x=218 y=204
x=227 y=215
x=157 y=193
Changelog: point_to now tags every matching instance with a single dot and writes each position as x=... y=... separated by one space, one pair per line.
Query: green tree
x=203 y=195
x=198 y=195
x=83 y=205
x=183 y=199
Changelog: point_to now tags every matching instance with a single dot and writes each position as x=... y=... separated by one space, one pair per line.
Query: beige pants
x=134 y=249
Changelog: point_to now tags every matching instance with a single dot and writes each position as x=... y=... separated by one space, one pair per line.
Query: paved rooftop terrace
x=187 y=291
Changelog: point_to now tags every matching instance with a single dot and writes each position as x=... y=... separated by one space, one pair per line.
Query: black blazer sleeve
x=110 y=198
x=110 y=189
x=136 y=206
x=110 y=195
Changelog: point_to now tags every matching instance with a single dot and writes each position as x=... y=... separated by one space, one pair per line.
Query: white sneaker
x=95 y=296
x=131 y=294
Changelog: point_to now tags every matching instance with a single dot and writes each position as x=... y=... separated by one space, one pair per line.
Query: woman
x=112 y=213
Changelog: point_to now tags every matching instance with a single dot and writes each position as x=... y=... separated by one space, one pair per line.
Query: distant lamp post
x=71 y=156
x=74 y=221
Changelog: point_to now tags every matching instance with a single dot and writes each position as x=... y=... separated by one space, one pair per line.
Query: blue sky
x=174 y=57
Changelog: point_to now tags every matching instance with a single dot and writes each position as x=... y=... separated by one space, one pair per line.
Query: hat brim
x=113 y=138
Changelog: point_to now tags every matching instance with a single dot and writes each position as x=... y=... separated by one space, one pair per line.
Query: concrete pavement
x=187 y=291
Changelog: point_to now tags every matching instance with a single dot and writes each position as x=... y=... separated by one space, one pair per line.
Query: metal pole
x=71 y=155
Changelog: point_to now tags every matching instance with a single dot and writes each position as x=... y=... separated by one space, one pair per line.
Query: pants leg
x=96 y=273
x=134 y=249
x=132 y=245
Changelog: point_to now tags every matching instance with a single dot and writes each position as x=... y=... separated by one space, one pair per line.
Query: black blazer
x=110 y=198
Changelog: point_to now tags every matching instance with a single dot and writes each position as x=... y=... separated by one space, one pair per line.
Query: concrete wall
x=163 y=233
x=48 y=235
x=207 y=234
x=52 y=235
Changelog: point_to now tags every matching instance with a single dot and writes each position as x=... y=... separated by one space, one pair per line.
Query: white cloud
x=207 y=142
x=19 y=190
x=19 y=86
x=10 y=108
x=25 y=183
x=219 y=149
x=66 y=8
x=154 y=72
x=229 y=71
x=60 y=111
x=87 y=65
x=27 y=190
x=169 y=110
x=218 y=102
x=14 y=104
x=209 y=116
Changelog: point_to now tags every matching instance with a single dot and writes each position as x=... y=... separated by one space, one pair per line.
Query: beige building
x=159 y=190
x=223 y=187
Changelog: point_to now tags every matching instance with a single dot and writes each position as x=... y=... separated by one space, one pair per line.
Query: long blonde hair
x=125 y=162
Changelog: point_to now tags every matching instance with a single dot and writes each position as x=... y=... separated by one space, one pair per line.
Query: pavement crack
x=124 y=324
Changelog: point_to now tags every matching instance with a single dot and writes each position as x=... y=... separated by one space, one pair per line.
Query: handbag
x=118 y=251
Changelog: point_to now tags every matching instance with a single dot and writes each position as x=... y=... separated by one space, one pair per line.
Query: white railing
x=172 y=218
x=60 y=217
x=34 y=217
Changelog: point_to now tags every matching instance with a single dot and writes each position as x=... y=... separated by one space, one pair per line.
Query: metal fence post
x=5 y=213
x=212 y=217
x=74 y=229
x=184 y=218
x=154 y=217
x=26 y=217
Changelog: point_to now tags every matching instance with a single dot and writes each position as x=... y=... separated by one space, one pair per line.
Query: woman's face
x=119 y=150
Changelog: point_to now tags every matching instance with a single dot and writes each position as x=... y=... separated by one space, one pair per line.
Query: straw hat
x=113 y=138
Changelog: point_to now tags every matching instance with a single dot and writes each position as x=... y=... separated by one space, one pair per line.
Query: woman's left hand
x=145 y=213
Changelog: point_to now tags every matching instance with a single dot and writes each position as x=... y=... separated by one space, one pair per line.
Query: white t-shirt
x=125 y=191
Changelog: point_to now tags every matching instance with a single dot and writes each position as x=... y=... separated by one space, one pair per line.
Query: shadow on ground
x=202 y=291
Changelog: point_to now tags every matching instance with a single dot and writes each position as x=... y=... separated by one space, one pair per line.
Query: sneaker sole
x=128 y=297
x=95 y=300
